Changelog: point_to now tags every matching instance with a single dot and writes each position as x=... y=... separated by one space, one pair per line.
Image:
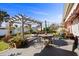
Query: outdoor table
x=47 y=37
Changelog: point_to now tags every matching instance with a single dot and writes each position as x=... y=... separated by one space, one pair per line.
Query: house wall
x=75 y=27
x=72 y=21
x=68 y=26
x=73 y=17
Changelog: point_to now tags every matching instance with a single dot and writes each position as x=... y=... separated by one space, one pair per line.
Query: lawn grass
x=3 y=46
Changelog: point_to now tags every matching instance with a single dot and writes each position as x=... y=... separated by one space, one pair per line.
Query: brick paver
x=47 y=51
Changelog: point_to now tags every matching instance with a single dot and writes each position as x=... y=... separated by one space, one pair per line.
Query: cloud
x=57 y=18
x=41 y=13
x=38 y=12
x=60 y=18
x=54 y=19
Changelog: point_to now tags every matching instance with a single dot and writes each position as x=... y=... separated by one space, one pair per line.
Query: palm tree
x=3 y=14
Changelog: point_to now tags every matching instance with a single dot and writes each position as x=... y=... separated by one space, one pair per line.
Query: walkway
x=58 y=49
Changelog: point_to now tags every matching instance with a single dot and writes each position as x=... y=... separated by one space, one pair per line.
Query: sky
x=51 y=12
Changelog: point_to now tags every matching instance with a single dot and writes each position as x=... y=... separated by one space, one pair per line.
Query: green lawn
x=3 y=46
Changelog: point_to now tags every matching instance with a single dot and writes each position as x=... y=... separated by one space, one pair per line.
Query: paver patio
x=52 y=50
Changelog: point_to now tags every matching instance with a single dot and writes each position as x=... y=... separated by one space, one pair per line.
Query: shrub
x=17 y=40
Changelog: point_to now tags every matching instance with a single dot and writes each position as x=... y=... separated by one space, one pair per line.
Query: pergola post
x=9 y=29
x=30 y=28
x=22 y=28
x=22 y=25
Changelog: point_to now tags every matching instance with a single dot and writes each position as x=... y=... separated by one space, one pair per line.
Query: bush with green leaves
x=17 y=40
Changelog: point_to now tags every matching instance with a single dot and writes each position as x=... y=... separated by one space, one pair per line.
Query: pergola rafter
x=30 y=19
x=25 y=19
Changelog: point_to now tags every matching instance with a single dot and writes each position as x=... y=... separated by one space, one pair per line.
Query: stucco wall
x=75 y=27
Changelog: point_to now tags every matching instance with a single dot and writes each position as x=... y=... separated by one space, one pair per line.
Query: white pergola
x=25 y=20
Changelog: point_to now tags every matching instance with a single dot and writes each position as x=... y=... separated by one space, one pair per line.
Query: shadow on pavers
x=52 y=51
x=60 y=42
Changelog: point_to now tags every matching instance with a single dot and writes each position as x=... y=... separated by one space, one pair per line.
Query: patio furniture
x=47 y=38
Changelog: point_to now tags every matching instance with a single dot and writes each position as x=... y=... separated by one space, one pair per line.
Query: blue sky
x=51 y=12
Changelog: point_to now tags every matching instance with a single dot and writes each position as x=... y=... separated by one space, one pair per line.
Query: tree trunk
x=41 y=27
